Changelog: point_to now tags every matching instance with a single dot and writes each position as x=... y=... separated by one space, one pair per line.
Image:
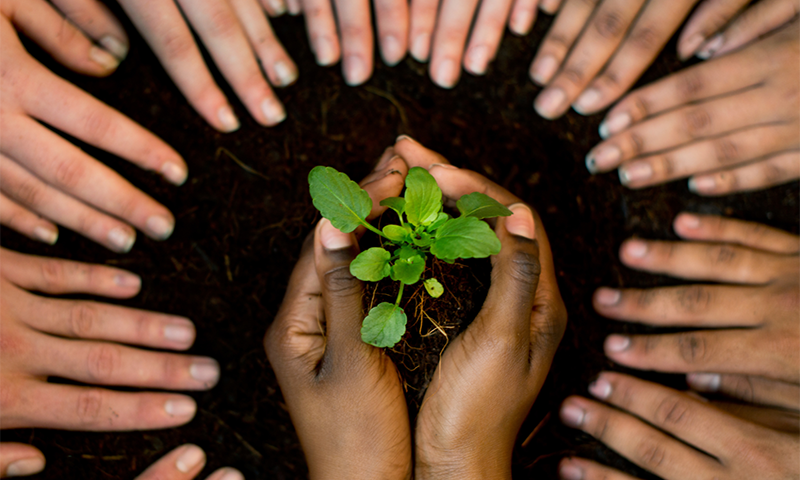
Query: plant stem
x=373 y=229
x=400 y=294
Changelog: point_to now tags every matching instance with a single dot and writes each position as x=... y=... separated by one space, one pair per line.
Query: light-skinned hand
x=185 y=463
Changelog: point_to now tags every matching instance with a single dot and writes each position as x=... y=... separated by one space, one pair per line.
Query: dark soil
x=238 y=236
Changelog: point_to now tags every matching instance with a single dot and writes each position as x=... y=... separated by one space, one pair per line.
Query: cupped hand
x=239 y=38
x=41 y=173
x=674 y=435
x=84 y=341
x=490 y=375
x=185 y=463
x=730 y=123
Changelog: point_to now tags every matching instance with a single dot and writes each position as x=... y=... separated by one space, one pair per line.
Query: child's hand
x=237 y=34
x=185 y=463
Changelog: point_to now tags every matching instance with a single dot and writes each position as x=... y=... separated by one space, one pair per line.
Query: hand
x=344 y=396
x=490 y=375
x=41 y=173
x=645 y=416
x=81 y=341
x=235 y=32
x=730 y=123
x=185 y=463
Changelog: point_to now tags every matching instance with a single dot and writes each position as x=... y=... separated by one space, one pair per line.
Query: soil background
x=238 y=235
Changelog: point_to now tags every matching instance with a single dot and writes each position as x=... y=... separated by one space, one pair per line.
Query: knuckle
x=694 y=298
x=666 y=164
x=645 y=298
x=173 y=369
x=693 y=348
x=690 y=85
x=30 y=193
x=726 y=151
x=52 y=274
x=97 y=125
x=600 y=427
x=68 y=172
x=176 y=45
x=696 y=121
x=223 y=23
x=636 y=143
x=721 y=254
x=673 y=411
x=559 y=42
x=90 y=403
x=524 y=268
x=10 y=398
x=742 y=388
x=340 y=282
x=102 y=362
x=355 y=31
x=651 y=454
x=82 y=319
x=575 y=74
x=774 y=173
x=609 y=25
x=645 y=38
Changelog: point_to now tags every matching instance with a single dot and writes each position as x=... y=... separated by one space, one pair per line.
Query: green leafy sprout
x=423 y=229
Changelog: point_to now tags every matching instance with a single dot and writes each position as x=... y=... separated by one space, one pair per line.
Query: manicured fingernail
x=544 y=69
x=45 y=235
x=25 y=467
x=635 y=172
x=614 y=124
x=477 y=59
x=603 y=158
x=600 y=388
x=392 y=50
x=443 y=165
x=181 y=332
x=636 y=248
x=332 y=238
x=572 y=415
x=521 y=21
x=278 y=7
x=405 y=137
x=228 y=120
x=607 y=297
x=446 y=74
x=690 y=46
x=128 y=280
x=273 y=111
x=190 y=459
x=173 y=172
x=121 y=239
x=180 y=407
x=521 y=222
x=232 y=474
x=160 y=227
x=286 y=74
x=114 y=47
x=205 y=370
x=587 y=102
x=355 y=70
x=326 y=53
x=617 y=343
x=550 y=102
x=705 y=382
x=570 y=472
x=711 y=47
x=690 y=221
x=103 y=58
x=702 y=184
x=420 y=47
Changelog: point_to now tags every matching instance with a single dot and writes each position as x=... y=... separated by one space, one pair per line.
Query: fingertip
x=227 y=119
x=107 y=62
x=607 y=297
x=521 y=223
x=174 y=172
x=116 y=47
x=687 y=222
x=688 y=47
x=128 y=281
x=356 y=70
x=46 y=233
x=331 y=238
x=616 y=343
x=633 y=249
x=25 y=466
x=190 y=459
x=445 y=74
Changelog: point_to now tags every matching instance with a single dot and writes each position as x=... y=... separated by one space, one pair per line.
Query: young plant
x=423 y=229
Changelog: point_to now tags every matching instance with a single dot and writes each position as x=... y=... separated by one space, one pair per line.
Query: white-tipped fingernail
x=128 y=280
x=550 y=102
x=710 y=48
x=635 y=172
x=205 y=370
x=614 y=124
x=278 y=7
x=103 y=58
x=607 y=296
x=326 y=53
x=446 y=74
x=121 y=239
x=25 y=467
x=46 y=235
x=331 y=237
x=174 y=173
x=702 y=184
x=286 y=74
x=391 y=49
x=190 y=459
x=179 y=332
x=572 y=415
x=600 y=388
x=521 y=21
x=543 y=70
x=232 y=474
x=115 y=47
x=180 y=407
x=587 y=102
x=420 y=47
x=228 y=120
x=355 y=70
x=160 y=227
x=636 y=248
x=690 y=46
x=273 y=111
x=617 y=343
x=704 y=382
x=521 y=222
x=477 y=59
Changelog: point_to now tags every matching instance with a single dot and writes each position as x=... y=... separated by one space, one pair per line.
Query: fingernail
x=386 y=160
x=710 y=48
x=635 y=172
x=549 y=102
x=405 y=137
x=326 y=54
x=182 y=332
x=587 y=101
x=46 y=235
x=121 y=239
x=521 y=222
x=705 y=382
x=603 y=158
x=544 y=69
x=477 y=59
x=570 y=472
x=180 y=407
x=617 y=343
x=228 y=120
x=521 y=21
x=27 y=466
x=690 y=221
x=173 y=172
x=294 y=8
x=286 y=74
x=190 y=459
x=103 y=58
x=205 y=370
x=549 y=6
x=446 y=74
x=443 y=165
x=391 y=49
x=702 y=184
x=355 y=70
x=420 y=47
x=636 y=248
x=331 y=237
x=572 y=415
x=691 y=45
x=128 y=280
x=115 y=47
x=607 y=297
x=614 y=124
x=600 y=388
x=273 y=111
x=232 y=474
x=278 y=7
x=160 y=227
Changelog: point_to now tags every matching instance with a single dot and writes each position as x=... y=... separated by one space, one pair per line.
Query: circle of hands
x=728 y=124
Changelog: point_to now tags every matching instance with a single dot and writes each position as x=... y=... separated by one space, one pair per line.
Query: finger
x=163 y=27
x=758 y=20
x=392 y=18
x=523 y=14
x=295 y=7
x=582 y=469
x=384 y=183
x=639 y=442
x=450 y=37
x=698 y=261
x=708 y=19
x=226 y=473
x=322 y=31
x=355 y=26
x=748 y=388
x=765 y=173
x=20 y=460
x=279 y=67
x=224 y=38
x=486 y=34
x=772 y=418
x=275 y=8
x=417 y=155
x=729 y=230
x=56 y=276
x=550 y=6
x=19 y=218
x=422 y=20
x=94 y=18
x=182 y=463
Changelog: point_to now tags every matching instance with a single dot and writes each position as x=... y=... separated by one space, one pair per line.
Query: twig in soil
x=536 y=430
x=543 y=457
x=247 y=168
x=390 y=97
x=236 y=434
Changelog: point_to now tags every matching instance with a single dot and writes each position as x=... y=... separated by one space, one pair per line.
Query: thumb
x=19 y=460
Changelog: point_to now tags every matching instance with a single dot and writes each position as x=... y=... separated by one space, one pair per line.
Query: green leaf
x=338 y=198
x=371 y=265
x=384 y=326
x=395 y=203
x=479 y=205
x=405 y=252
x=408 y=270
x=423 y=197
x=465 y=237
x=443 y=217
x=395 y=233
x=433 y=287
x=424 y=240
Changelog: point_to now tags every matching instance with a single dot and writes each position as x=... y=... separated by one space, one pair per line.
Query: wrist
x=463 y=464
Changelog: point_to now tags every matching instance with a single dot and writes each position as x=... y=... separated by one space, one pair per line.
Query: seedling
x=423 y=229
